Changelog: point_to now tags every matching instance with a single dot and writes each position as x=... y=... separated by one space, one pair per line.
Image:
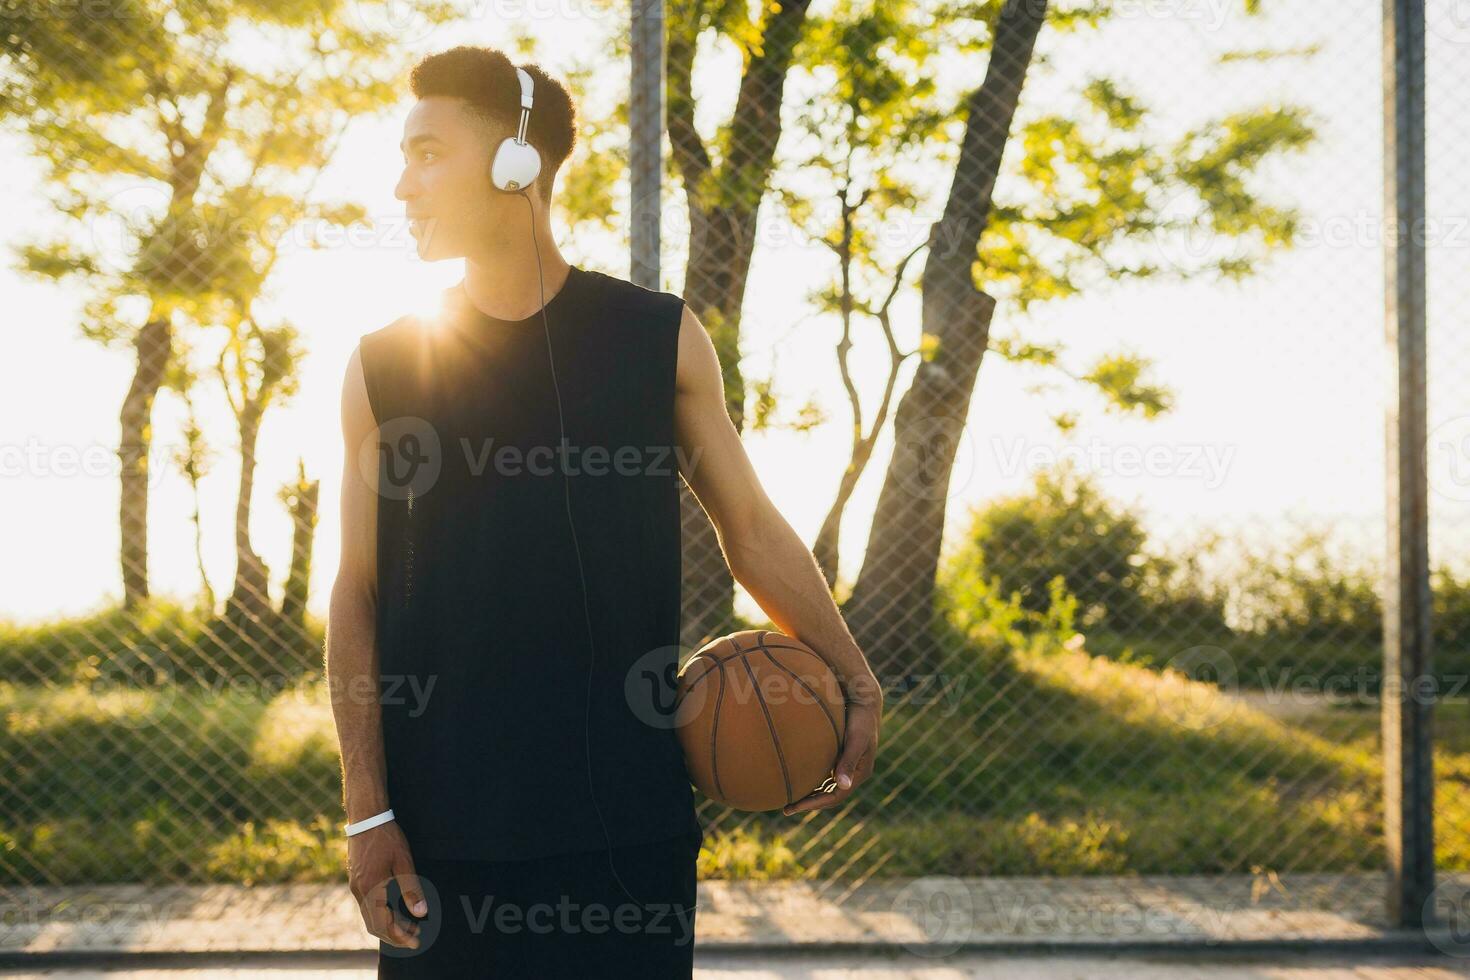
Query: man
x=501 y=762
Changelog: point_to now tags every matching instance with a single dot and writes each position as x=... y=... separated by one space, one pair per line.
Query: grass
x=1065 y=763
x=1040 y=762
x=162 y=642
x=1341 y=663
x=176 y=782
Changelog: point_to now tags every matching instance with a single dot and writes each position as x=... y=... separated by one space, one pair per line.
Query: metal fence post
x=1407 y=764
x=645 y=151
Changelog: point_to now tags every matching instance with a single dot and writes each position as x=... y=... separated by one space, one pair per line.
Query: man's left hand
x=864 y=699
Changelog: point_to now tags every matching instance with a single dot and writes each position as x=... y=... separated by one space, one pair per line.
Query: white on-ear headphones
x=517 y=163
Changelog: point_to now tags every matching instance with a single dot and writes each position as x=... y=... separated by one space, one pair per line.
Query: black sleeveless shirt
x=482 y=636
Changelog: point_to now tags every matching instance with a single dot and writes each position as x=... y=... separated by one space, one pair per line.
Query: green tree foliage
x=1063 y=526
x=178 y=143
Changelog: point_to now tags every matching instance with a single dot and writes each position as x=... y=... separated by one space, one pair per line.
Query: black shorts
x=559 y=916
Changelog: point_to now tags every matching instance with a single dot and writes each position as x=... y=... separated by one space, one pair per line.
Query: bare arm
x=764 y=552
x=376 y=855
x=352 y=656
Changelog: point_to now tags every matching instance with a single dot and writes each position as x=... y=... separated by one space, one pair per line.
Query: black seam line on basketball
x=771 y=728
x=761 y=642
x=837 y=736
x=717 y=661
x=713 y=665
x=714 y=733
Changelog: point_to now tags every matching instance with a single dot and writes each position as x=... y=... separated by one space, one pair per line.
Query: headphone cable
x=586 y=608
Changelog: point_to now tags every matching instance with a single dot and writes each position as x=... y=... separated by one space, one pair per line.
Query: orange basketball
x=761 y=718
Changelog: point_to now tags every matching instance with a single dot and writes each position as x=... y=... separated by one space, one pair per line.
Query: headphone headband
x=527 y=87
x=517 y=164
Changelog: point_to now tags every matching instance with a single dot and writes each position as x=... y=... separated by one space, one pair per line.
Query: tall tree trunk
x=825 y=548
x=891 y=608
x=723 y=203
x=207 y=597
x=250 y=599
x=302 y=500
x=153 y=345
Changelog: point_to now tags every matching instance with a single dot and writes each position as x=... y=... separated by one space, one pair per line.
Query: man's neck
x=507 y=287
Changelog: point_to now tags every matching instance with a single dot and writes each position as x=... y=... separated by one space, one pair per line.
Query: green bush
x=1297 y=608
x=1063 y=526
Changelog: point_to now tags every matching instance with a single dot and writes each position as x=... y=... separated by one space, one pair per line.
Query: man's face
x=453 y=208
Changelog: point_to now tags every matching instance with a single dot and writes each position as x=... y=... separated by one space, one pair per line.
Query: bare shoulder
x=356 y=572
x=699 y=365
x=357 y=409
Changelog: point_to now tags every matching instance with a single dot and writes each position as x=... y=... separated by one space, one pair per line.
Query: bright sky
x=1280 y=380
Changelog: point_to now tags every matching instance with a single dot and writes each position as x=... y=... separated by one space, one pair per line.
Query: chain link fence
x=1447 y=448
x=1057 y=330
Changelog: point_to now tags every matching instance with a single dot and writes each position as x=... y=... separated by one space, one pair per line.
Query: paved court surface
x=931 y=928
x=877 y=967
x=932 y=911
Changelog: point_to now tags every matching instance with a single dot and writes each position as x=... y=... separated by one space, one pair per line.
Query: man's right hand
x=374 y=857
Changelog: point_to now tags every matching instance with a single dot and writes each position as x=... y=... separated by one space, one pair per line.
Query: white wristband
x=369 y=823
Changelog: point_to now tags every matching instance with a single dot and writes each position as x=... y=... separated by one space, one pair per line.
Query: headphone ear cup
x=516 y=165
